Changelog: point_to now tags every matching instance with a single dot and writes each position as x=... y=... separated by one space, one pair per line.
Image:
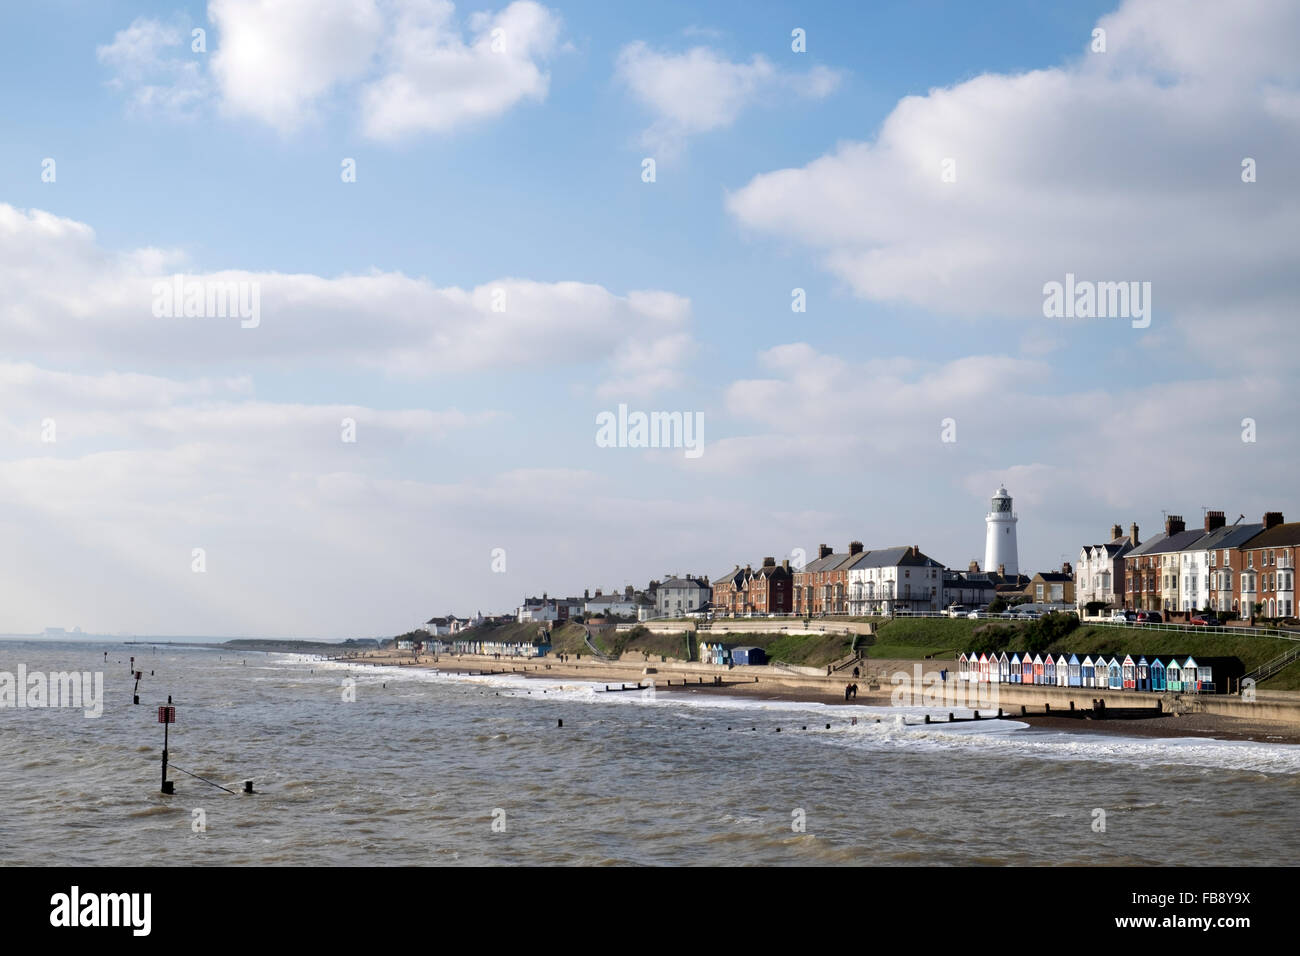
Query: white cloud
x=67 y=296
x=1117 y=166
x=436 y=80
x=701 y=90
x=406 y=66
x=152 y=60
x=277 y=58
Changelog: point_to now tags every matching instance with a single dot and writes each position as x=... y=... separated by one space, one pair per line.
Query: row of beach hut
x=1112 y=673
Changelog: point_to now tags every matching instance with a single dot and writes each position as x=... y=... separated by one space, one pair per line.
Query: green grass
x=915 y=638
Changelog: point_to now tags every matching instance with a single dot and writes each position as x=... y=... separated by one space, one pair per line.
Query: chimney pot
x=824 y=550
x=1133 y=534
x=1272 y=519
x=1116 y=532
x=855 y=547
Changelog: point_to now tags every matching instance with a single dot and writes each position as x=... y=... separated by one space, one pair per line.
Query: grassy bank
x=943 y=637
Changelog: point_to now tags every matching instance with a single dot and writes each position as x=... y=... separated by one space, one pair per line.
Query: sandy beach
x=676 y=678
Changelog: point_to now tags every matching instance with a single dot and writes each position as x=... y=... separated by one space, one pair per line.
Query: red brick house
x=1265 y=570
x=822 y=587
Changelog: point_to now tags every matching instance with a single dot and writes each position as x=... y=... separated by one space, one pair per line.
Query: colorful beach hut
x=982 y=674
x=1062 y=671
x=1004 y=669
x=1039 y=672
x=1142 y=675
x=1049 y=671
x=1191 y=677
x=1087 y=671
x=1205 y=679
x=1158 y=682
x=1014 y=669
x=1174 y=676
x=963 y=666
x=1116 y=680
x=1027 y=669
x=1130 y=673
x=1075 y=670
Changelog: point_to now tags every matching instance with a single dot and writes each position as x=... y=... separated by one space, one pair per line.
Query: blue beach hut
x=1158 y=682
x=1087 y=671
x=1142 y=675
x=1115 y=680
x=1014 y=669
x=1075 y=672
x=1191 y=675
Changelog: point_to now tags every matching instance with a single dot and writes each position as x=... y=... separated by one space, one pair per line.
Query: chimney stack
x=974 y=567
x=1272 y=519
x=1116 y=532
x=1002 y=570
x=916 y=550
x=785 y=563
x=1133 y=534
x=598 y=592
x=823 y=551
x=1066 y=569
x=1174 y=524
x=855 y=547
x=587 y=594
x=769 y=562
x=628 y=592
x=1214 y=520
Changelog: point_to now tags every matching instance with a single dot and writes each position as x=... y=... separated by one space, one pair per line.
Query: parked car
x=1028 y=615
x=957 y=610
x=1124 y=617
x=1149 y=617
x=1206 y=620
x=977 y=615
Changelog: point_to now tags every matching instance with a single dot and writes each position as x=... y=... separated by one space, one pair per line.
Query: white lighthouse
x=1000 y=535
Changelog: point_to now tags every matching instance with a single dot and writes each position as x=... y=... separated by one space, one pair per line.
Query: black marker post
x=166 y=715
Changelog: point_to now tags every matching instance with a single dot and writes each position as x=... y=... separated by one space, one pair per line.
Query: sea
x=394 y=766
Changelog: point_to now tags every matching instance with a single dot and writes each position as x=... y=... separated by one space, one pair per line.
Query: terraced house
x=1152 y=570
x=1266 y=579
x=895 y=579
x=1202 y=564
x=1099 y=572
x=821 y=586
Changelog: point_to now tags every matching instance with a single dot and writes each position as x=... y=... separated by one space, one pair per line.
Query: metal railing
x=1198 y=629
x=1269 y=668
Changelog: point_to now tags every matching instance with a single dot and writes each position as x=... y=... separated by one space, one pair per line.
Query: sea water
x=394 y=765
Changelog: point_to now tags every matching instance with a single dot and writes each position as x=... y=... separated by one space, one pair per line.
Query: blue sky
x=819 y=426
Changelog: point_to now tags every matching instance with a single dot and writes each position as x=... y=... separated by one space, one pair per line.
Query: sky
x=823 y=231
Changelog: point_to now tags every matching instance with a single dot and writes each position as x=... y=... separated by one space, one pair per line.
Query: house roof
x=1165 y=543
x=1279 y=536
x=1053 y=576
x=1229 y=536
x=892 y=557
x=687 y=582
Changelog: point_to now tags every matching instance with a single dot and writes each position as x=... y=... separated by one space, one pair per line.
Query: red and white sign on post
x=166 y=715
